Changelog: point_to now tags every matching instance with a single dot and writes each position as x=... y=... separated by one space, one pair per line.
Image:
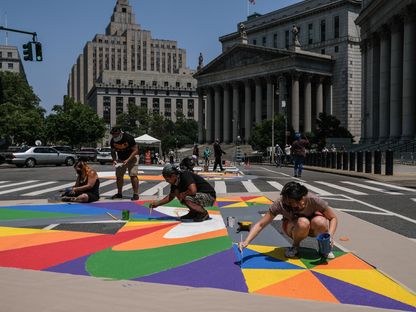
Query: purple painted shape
x=134 y=208
x=76 y=266
x=351 y=294
x=216 y=271
x=226 y=203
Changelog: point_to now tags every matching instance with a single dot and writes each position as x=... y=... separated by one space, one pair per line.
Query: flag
x=252 y=1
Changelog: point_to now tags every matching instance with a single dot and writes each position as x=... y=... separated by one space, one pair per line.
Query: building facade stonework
x=300 y=60
x=126 y=65
x=388 y=33
x=10 y=60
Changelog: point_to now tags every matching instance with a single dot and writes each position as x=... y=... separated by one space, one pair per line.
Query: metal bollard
x=367 y=160
x=339 y=160
x=360 y=162
x=328 y=160
x=345 y=161
x=352 y=161
x=377 y=162
x=333 y=160
x=389 y=162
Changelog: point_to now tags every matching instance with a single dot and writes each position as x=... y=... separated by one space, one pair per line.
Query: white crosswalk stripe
x=372 y=188
x=276 y=185
x=49 y=190
x=341 y=188
x=317 y=190
x=220 y=187
x=414 y=199
x=25 y=187
x=250 y=187
x=392 y=186
x=155 y=189
x=18 y=183
x=1 y=182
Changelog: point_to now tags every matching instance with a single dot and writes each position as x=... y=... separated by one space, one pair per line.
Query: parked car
x=104 y=156
x=64 y=149
x=87 y=153
x=41 y=155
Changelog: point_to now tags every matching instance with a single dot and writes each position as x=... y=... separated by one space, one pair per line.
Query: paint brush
x=111 y=216
x=242 y=256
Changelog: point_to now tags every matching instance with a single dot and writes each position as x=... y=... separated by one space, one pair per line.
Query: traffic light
x=27 y=51
x=38 y=49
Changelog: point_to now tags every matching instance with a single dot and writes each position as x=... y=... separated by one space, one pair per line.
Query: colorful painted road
x=153 y=246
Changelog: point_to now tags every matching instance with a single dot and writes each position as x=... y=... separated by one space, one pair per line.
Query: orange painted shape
x=229 y=199
x=156 y=239
x=302 y=286
x=345 y=262
x=132 y=226
x=47 y=237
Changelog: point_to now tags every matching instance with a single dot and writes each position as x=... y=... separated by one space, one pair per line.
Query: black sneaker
x=189 y=216
x=202 y=216
x=116 y=196
x=135 y=197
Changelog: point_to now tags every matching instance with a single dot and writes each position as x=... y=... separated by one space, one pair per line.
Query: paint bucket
x=230 y=222
x=125 y=215
x=324 y=243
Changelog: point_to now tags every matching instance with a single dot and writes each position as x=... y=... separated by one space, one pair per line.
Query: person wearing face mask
x=304 y=214
x=124 y=151
x=87 y=185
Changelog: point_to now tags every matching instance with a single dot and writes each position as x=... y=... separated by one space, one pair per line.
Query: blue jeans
x=299 y=160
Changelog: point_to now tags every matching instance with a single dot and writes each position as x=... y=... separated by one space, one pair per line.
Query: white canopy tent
x=148 y=140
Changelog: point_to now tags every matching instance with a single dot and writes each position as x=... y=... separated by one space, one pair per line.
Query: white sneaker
x=291 y=252
x=330 y=255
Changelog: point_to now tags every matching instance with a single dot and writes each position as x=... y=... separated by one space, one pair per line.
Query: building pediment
x=242 y=55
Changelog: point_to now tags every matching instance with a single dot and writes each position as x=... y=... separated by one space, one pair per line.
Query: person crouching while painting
x=87 y=185
x=304 y=214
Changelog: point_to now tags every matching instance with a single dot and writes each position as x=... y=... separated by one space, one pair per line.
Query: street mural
x=153 y=246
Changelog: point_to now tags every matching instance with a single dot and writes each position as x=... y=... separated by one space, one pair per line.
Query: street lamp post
x=272 y=151
x=285 y=111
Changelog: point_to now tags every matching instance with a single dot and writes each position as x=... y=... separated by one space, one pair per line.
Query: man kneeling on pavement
x=192 y=190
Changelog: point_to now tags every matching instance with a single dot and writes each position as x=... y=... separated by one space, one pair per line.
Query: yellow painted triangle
x=260 y=200
x=228 y=199
x=375 y=281
x=277 y=253
x=236 y=205
x=10 y=231
x=260 y=278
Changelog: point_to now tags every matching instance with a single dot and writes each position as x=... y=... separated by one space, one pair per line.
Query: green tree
x=328 y=126
x=22 y=118
x=129 y=121
x=75 y=124
x=261 y=136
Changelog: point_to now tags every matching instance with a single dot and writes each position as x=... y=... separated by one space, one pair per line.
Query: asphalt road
x=386 y=205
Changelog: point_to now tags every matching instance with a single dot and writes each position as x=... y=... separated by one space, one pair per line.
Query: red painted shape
x=43 y=256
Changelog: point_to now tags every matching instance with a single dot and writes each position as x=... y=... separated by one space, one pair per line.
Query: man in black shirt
x=123 y=151
x=218 y=154
x=192 y=190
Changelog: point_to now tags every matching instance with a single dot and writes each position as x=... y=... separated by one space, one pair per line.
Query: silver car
x=41 y=155
x=104 y=156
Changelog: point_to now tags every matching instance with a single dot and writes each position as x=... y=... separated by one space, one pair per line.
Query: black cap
x=115 y=130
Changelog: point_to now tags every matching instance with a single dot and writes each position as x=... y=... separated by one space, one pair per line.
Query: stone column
x=308 y=104
x=295 y=101
x=369 y=93
x=258 y=82
x=363 y=48
x=236 y=111
x=209 y=113
x=200 y=115
x=409 y=77
x=319 y=96
x=227 y=118
x=247 y=110
x=384 y=111
x=269 y=97
x=217 y=120
x=376 y=87
x=396 y=79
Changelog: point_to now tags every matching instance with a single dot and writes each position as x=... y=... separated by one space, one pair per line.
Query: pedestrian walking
x=124 y=151
x=192 y=190
x=304 y=214
x=288 y=154
x=278 y=153
x=218 y=152
x=299 y=153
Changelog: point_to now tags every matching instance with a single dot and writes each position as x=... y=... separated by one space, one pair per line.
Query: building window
x=322 y=51
x=287 y=39
x=190 y=108
x=336 y=49
x=10 y=65
x=9 y=54
x=132 y=100
x=310 y=33
x=119 y=105
x=143 y=102
x=130 y=82
x=166 y=84
x=179 y=106
x=274 y=40
x=142 y=82
x=154 y=83
x=323 y=30
x=264 y=41
x=336 y=27
x=178 y=84
x=254 y=42
x=107 y=109
x=118 y=81
x=189 y=85
x=1 y=65
x=123 y=10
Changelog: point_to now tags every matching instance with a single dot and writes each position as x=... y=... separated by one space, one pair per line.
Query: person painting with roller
x=304 y=214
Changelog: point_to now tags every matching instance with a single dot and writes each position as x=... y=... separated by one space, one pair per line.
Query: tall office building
x=10 y=60
x=302 y=60
x=126 y=65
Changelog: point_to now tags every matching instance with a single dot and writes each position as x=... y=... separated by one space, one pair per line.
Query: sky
x=64 y=27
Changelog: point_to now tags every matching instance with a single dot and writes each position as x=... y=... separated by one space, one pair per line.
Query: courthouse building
x=126 y=65
x=301 y=60
x=388 y=31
